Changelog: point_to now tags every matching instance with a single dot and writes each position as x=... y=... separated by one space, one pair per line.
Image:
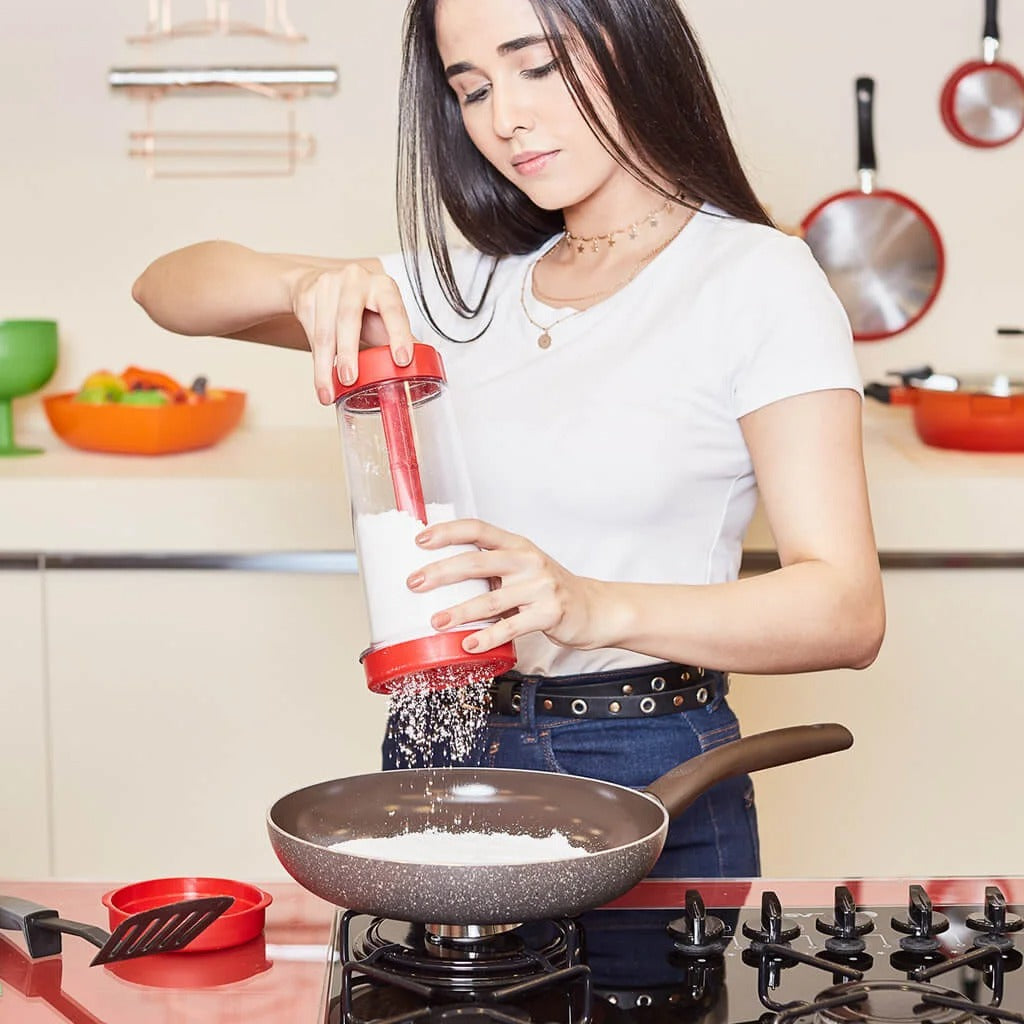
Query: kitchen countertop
x=279 y=975
x=283 y=490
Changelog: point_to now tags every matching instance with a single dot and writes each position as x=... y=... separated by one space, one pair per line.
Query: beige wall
x=80 y=219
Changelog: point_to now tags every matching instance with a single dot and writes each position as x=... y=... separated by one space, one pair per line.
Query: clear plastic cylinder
x=406 y=471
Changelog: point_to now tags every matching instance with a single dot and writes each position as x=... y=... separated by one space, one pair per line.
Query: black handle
x=866 y=160
x=879 y=392
x=991 y=20
x=909 y=376
x=42 y=926
x=1009 y=330
x=26 y=917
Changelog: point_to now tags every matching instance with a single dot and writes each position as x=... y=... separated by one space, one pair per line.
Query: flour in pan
x=434 y=846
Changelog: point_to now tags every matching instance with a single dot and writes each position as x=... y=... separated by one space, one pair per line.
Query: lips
x=534 y=161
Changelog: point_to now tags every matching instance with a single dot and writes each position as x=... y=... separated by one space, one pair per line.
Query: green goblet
x=28 y=357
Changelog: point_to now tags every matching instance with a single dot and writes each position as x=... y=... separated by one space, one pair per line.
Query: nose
x=509 y=110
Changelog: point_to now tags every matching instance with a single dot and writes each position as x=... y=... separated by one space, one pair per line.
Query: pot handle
x=680 y=787
x=890 y=394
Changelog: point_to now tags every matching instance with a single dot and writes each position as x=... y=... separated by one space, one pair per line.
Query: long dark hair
x=663 y=101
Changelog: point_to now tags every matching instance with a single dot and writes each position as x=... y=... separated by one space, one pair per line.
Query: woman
x=634 y=352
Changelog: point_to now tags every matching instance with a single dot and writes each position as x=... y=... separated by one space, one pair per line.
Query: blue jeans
x=715 y=837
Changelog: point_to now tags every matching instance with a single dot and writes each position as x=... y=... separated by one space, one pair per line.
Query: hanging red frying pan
x=881 y=252
x=982 y=104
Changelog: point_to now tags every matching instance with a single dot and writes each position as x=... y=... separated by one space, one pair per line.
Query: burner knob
x=921 y=925
x=695 y=933
x=846 y=926
x=771 y=930
x=995 y=922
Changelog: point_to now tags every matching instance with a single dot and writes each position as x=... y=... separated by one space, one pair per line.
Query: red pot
x=969 y=414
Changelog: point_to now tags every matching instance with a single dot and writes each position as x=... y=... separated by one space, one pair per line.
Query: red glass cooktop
x=280 y=975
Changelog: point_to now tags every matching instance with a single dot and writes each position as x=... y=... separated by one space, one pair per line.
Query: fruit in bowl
x=143 y=412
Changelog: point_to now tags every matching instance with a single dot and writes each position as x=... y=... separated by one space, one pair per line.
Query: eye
x=476 y=95
x=541 y=72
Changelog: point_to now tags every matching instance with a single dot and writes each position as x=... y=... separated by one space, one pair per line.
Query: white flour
x=389 y=555
x=434 y=846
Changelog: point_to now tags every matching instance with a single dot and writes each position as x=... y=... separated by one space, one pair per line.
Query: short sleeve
x=471 y=271
x=792 y=335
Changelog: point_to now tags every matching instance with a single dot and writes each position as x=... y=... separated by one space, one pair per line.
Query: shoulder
x=758 y=253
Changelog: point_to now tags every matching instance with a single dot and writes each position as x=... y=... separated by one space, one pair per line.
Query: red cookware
x=982 y=103
x=881 y=252
x=242 y=922
x=980 y=414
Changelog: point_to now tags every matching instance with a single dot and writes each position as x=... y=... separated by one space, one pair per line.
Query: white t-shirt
x=618 y=450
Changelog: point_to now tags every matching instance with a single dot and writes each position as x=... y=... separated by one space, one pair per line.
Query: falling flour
x=431 y=728
x=435 y=846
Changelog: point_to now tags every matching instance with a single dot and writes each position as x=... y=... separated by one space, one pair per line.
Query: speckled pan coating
x=624 y=829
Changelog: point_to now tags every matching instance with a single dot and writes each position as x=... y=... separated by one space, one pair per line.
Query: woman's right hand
x=342 y=309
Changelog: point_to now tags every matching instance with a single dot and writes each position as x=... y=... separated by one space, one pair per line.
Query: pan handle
x=681 y=786
x=990 y=35
x=867 y=163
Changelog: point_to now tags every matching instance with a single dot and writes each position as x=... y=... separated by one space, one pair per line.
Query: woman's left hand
x=530 y=591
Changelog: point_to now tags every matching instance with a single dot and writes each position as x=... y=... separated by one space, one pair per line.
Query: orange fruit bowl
x=144 y=430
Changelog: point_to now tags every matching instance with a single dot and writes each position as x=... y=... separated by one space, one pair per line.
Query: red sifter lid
x=377 y=367
x=437 y=662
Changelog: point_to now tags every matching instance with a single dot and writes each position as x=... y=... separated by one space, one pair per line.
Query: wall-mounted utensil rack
x=222 y=153
x=160 y=24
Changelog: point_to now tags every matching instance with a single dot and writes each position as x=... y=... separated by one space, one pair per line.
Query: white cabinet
x=185 y=702
x=24 y=806
x=931 y=785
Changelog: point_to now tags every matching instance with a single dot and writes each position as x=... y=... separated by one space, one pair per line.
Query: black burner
x=464 y=964
x=395 y=972
x=888 y=1002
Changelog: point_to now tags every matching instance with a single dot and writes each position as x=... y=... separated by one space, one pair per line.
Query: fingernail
x=325 y=396
x=424 y=538
x=403 y=357
x=348 y=375
x=470 y=643
x=415 y=580
x=440 y=620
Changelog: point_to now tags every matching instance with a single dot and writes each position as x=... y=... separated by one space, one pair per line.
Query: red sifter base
x=434 y=662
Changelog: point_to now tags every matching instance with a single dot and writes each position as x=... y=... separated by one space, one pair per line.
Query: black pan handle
x=1009 y=330
x=42 y=926
x=879 y=392
x=866 y=160
x=991 y=20
x=680 y=787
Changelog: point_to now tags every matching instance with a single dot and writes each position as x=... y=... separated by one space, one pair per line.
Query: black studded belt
x=630 y=693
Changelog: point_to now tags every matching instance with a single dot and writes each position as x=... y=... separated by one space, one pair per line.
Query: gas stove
x=721 y=952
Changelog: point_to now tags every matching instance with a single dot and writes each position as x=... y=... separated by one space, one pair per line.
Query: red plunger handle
x=405 y=468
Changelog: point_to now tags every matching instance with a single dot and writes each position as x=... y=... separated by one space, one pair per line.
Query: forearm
x=216 y=288
x=804 y=617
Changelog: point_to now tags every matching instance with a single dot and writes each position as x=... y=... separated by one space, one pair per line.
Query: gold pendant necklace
x=544 y=340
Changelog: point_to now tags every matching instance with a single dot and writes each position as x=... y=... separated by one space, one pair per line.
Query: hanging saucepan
x=982 y=103
x=622 y=830
x=881 y=252
x=981 y=414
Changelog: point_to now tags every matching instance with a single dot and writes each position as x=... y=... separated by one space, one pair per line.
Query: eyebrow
x=504 y=49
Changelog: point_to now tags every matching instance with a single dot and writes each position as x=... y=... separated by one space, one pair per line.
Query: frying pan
x=982 y=102
x=980 y=414
x=881 y=252
x=623 y=831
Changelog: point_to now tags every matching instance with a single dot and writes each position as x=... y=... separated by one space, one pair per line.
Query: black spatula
x=162 y=930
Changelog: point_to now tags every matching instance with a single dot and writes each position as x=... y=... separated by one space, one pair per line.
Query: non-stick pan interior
x=595 y=815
